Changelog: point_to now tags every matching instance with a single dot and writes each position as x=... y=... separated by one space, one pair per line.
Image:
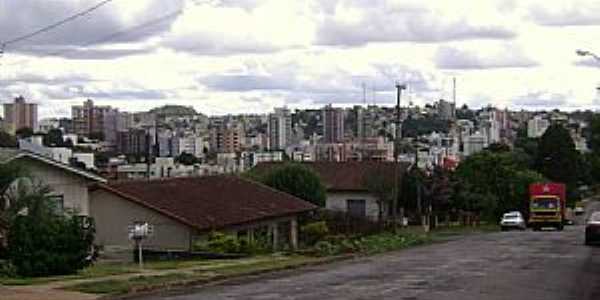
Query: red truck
x=547 y=205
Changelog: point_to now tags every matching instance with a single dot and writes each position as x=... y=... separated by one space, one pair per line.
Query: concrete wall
x=74 y=188
x=338 y=201
x=114 y=214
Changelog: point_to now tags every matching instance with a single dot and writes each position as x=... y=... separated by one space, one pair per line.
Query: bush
x=314 y=232
x=223 y=243
x=53 y=246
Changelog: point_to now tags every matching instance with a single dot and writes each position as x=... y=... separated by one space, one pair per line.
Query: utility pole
x=399 y=88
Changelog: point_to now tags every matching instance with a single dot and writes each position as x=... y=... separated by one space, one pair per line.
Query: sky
x=249 y=56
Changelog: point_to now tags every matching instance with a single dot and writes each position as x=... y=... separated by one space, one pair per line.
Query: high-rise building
x=333 y=124
x=90 y=119
x=365 y=122
x=280 y=129
x=20 y=114
x=537 y=126
x=226 y=138
x=446 y=110
x=134 y=142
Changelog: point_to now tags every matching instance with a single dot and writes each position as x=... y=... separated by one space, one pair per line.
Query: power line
x=122 y=32
x=54 y=25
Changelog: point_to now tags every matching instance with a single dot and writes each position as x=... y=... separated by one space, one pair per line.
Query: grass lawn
x=95 y=271
x=205 y=271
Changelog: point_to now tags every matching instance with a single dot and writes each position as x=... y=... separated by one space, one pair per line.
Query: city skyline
x=306 y=54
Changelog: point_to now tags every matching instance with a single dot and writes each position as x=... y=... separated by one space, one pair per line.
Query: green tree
x=7 y=140
x=380 y=184
x=43 y=241
x=594 y=138
x=557 y=158
x=24 y=132
x=299 y=181
x=492 y=183
x=54 y=138
x=187 y=159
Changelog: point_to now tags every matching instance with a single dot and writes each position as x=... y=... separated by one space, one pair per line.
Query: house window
x=356 y=207
x=58 y=201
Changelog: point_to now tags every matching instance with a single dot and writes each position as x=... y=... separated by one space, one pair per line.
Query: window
x=356 y=207
x=59 y=203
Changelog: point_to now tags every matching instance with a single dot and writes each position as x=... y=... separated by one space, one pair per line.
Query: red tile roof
x=210 y=202
x=344 y=176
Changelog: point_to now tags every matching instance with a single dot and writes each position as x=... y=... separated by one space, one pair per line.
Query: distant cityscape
x=176 y=141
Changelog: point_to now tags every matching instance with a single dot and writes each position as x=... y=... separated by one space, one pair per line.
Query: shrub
x=324 y=248
x=314 y=232
x=222 y=243
x=53 y=246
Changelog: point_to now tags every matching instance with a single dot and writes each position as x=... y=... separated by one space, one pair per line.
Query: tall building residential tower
x=333 y=124
x=280 y=129
x=90 y=119
x=20 y=114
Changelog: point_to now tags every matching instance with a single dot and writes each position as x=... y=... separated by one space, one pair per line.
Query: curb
x=219 y=279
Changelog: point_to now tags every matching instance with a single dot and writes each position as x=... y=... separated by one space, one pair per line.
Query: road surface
x=505 y=265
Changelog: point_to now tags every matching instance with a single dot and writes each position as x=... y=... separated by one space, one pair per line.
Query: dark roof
x=210 y=202
x=344 y=176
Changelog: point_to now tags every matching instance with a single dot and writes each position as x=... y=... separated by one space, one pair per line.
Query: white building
x=537 y=126
x=474 y=143
x=193 y=145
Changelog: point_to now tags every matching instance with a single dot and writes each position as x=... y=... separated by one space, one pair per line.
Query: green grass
x=114 y=286
x=95 y=271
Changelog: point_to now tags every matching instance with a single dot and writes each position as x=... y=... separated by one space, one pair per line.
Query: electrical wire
x=119 y=33
x=54 y=25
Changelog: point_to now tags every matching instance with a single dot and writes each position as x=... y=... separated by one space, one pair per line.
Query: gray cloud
x=452 y=58
x=209 y=43
x=101 y=23
x=410 y=24
x=590 y=62
x=578 y=13
x=540 y=99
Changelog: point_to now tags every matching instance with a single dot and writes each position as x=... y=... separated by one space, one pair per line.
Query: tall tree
x=7 y=140
x=594 y=139
x=380 y=184
x=557 y=158
x=54 y=138
x=299 y=181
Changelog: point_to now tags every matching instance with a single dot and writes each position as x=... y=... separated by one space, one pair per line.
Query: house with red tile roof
x=182 y=210
x=346 y=183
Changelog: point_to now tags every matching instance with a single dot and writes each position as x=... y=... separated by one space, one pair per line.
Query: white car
x=512 y=220
x=579 y=210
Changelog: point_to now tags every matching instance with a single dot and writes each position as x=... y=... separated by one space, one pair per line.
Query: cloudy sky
x=235 y=56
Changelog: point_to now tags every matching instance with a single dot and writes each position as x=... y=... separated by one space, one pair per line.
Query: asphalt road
x=526 y=265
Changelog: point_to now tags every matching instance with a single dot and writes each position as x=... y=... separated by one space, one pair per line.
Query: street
x=505 y=265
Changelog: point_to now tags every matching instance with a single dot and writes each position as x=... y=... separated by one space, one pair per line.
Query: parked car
x=592 y=229
x=512 y=220
x=579 y=210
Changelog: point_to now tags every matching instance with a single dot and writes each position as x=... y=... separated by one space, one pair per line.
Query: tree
x=41 y=240
x=7 y=140
x=493 y=183
x=380 y=184
x=99 y=135
x=498 y=147
x=187 y=159
x=557 y=158
x=24 y=132
x=299 y=181
x=54 y=138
